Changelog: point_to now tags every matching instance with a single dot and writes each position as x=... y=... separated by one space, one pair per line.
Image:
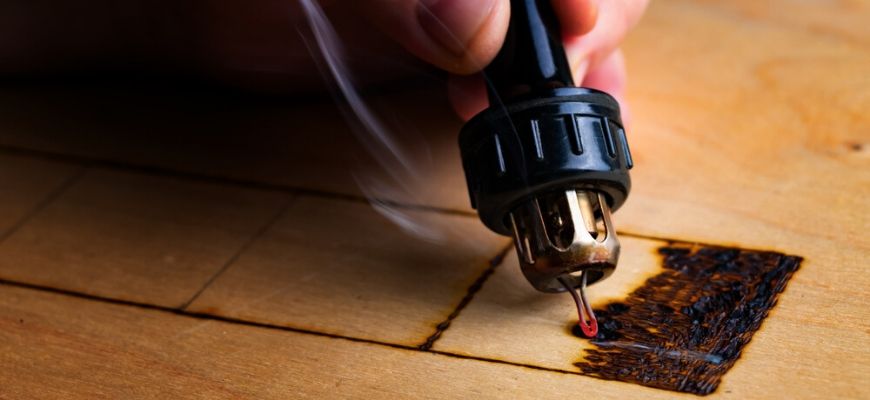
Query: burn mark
x=472 y=290
x=685 y=327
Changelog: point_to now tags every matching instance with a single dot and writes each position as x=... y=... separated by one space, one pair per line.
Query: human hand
x=462 y=37
x=257 y=45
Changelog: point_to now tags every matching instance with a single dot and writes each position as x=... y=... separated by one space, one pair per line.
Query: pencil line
x=237 y=321
x=104 y=163
x=241 y=250
x=44 y=202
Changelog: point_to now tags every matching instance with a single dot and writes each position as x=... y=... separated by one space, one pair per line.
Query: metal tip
x=587 y=321
x=560 y=234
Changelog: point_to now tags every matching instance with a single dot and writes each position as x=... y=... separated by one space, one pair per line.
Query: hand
x=257 y=44
x=463 y=36
x=592 y=32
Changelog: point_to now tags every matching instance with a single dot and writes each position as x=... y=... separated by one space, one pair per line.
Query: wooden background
x=199 y=246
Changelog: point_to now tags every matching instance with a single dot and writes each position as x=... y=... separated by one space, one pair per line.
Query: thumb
x=460 y=36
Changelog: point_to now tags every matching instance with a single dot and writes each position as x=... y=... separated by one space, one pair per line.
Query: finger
x=467 y=95
x=576 y=17
x=604 y=31
x=610 y=76
x=460 y=36
x=615 y=19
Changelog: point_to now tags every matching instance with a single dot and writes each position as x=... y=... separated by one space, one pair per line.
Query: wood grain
x=55 y=346
x=762 y=133
x=135 y=237
x=508 y=308
x=749 y=132
x=24 y=184
x=749 y=128
x=339 y=267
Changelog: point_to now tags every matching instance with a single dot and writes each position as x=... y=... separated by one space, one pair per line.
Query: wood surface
x=57 y=346
x=26 y=183
x=542 y=321
x=203 y=247
x=133 y=237
x=318 y=266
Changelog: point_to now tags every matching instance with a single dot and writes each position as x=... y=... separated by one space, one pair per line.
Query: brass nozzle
x=560 y=235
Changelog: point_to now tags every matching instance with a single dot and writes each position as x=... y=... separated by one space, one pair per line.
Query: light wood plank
x=53 y=346
x=751 y=124
x=136 y=237
x=339 y=267
x=749 y=129
x=845 y=20
x=507 y=311
x=24 y=184
x=508 y=308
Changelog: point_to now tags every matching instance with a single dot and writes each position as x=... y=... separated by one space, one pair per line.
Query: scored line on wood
x=238 y=321
x=49 y=198
x=241 y=250
x=109 y=164
x=725 y=290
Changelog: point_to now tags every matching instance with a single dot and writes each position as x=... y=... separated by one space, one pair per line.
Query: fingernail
x=453 y=23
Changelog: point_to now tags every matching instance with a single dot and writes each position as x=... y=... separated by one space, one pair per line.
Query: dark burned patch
x=685 y=327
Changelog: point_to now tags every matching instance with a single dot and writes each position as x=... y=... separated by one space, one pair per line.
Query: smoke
x=404 y=171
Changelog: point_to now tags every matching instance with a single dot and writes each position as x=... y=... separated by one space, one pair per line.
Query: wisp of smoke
x=372 y=134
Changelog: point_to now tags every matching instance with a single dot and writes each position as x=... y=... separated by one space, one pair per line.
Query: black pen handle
x=532 y=57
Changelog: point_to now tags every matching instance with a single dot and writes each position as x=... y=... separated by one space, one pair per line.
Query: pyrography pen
x=548 y=162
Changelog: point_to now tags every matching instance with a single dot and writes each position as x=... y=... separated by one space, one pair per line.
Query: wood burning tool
x=548 y=162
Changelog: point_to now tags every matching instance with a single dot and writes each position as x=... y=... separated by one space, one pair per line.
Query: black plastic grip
x=540 y=134
x=532 y=57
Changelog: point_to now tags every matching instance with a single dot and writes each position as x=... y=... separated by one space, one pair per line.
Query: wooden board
x=749 y=129
x=141 y=238
x=56 y=346
x=540 y=321
x=27 y=182
x=338 y=267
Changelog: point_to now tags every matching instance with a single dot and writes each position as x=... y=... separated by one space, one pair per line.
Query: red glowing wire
x=587 y=321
